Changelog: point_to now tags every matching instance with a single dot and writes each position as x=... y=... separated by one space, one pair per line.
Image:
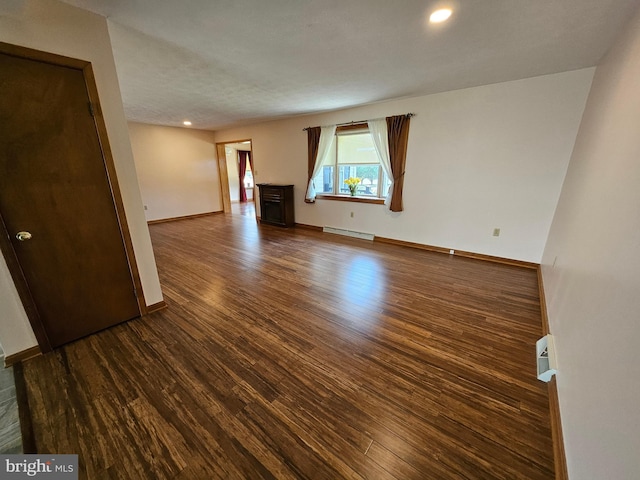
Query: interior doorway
x=236 y=165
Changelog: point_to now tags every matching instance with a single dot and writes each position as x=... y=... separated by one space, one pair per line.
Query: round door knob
x=23 y=236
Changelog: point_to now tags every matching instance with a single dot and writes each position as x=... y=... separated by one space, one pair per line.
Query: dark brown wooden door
x=54 y=185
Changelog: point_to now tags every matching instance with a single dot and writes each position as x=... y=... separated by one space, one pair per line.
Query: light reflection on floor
x=364 y=282
x=362 y=277
x=249 y=232
x=248 y=209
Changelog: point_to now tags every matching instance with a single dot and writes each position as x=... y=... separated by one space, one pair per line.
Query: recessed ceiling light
x=186 y=122
x=440 y=15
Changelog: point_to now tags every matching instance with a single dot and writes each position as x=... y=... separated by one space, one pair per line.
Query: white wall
x=593 y=292
x=479 y=158
x=56 y=27
x=177 y=170
x=16 y=333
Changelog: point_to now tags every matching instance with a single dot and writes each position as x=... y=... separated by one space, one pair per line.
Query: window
x=353 y=155
x=248 y=177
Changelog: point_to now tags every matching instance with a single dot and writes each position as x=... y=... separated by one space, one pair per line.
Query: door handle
x=23 y=236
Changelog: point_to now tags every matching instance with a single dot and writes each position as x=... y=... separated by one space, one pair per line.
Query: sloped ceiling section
x=223 y=63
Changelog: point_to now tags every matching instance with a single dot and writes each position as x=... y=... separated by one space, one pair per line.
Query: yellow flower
x=352 y=181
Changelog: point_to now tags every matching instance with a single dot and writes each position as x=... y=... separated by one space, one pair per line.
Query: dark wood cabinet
x=276 y=204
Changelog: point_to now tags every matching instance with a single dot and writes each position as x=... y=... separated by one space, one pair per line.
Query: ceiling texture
x=221 y=63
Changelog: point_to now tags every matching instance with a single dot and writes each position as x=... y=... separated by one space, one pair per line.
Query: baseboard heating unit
x=349 y=233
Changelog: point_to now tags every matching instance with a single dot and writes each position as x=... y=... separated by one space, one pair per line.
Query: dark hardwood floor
x=291 y=354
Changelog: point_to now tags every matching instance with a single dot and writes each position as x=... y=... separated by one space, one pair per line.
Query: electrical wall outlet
x=452 y=252
x=496 y=232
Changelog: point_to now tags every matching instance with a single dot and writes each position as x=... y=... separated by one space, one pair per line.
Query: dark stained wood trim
x=156 y=307
x=402 y=243
x=543 y=304
x=184 y=217
x=308 y=227
x=16 y=358
x=107 y=156
x=24 y=411
x=491 y=258
x=352 y=126
x=348 y=198
x=559 y=455
x=459 y=253
x=40 y=56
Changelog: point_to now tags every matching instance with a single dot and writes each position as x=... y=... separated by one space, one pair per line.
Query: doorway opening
x=237 y=170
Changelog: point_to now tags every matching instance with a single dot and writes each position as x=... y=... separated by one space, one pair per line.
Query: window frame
x=353 y=128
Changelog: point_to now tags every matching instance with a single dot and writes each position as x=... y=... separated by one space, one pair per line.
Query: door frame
x=6 y=248
x=223 y=172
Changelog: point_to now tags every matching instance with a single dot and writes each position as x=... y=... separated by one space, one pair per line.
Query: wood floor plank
x=293 y=354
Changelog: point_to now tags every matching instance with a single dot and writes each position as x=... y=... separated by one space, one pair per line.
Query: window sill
x=348 y=198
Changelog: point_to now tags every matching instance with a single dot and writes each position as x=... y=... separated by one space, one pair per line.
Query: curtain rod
x=409 y=115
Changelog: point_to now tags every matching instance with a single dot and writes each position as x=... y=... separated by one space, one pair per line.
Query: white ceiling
x=225 y=62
